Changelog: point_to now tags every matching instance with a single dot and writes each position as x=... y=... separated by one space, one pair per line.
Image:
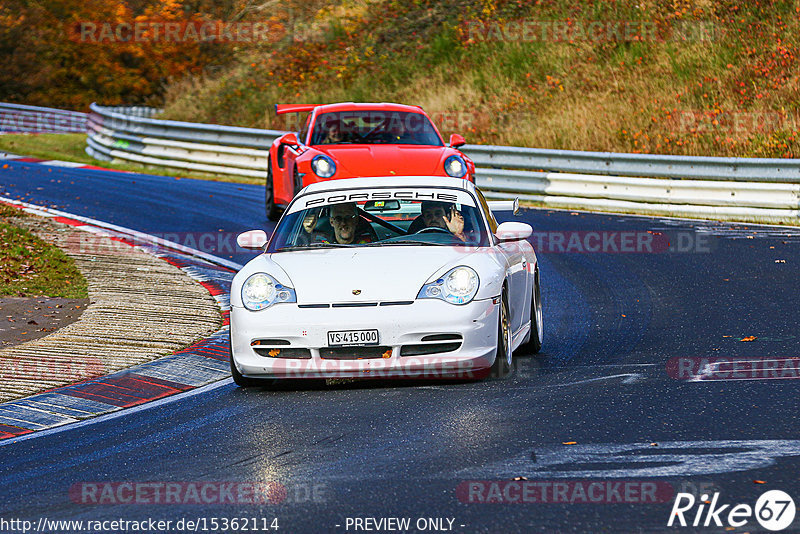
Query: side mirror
x=504 y=205
x=513 y=231
x=457 y=141
x=289 y=139
x=255 y=239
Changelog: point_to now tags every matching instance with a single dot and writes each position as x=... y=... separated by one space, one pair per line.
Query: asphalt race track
x=606 y=425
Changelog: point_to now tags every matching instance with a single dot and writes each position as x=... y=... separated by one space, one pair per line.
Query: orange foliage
x=47 y=61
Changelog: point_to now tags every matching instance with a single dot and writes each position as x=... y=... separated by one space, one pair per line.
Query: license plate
x=352 y=337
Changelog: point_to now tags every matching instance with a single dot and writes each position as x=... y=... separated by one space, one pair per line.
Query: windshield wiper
x=407 y=242
x=313 y=245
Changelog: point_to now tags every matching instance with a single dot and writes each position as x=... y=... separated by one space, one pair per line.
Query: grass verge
x=31 y=267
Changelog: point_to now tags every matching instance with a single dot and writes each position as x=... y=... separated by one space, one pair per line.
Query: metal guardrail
x=766 y=190
x=18 y=118
x=652 y=165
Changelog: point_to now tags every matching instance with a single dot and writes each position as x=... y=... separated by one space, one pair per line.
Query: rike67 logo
x=774 y=510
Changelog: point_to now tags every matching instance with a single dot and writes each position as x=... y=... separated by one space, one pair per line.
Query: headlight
x=458 y=286
x=323 y=166
x=455 y=166
x=261 y=291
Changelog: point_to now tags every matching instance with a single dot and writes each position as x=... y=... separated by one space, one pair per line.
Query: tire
x=502 y=360
x=536 y=335
x=241 y=381
x=298 y=183
x=272 y=211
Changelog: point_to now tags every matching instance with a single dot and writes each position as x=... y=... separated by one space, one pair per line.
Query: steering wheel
x=433 y=229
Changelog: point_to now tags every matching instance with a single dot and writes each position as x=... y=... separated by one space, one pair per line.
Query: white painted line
x=59 y=163
x=630 y=378
x=657 y=217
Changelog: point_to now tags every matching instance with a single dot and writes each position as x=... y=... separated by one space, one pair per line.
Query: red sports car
x=350 y=140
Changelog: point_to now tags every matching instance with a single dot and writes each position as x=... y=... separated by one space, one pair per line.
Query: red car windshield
x=374 y=127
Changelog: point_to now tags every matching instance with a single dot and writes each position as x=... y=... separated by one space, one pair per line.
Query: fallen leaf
x=274 y=352
x=569 y=443
x=759 y=482
x=749 y=338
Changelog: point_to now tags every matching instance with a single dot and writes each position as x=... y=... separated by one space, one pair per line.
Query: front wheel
x=298 y=182
x=272 y=211
x=502 y=360
x=536 y=335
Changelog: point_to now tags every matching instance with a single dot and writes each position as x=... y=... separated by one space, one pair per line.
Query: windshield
x=385 y=222
x=374 y=127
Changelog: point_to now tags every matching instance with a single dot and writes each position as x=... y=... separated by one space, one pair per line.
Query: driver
x=401 y=135
x=440 y=215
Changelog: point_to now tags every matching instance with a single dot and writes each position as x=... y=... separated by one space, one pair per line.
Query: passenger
x=307 y=233
x=348 y=227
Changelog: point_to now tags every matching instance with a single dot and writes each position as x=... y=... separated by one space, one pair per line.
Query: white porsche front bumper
x=426 y=338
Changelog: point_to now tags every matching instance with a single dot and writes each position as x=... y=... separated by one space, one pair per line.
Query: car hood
x=380 y=160
x=379 y=274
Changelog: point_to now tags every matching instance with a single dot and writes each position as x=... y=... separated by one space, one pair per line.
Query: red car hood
x=386 y=160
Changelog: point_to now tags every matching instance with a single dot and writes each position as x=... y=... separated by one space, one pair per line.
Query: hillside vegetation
x=667 y=76
x=696 y=77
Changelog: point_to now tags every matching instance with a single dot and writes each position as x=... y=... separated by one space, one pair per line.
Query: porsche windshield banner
x=401 y=193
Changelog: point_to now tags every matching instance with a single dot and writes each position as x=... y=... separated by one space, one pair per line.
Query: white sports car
x=404 y=277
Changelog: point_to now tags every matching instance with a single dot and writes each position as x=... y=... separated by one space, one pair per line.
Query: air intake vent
x=291 y=353
x=269 y=342
x=428 y=348
x=443 y=337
